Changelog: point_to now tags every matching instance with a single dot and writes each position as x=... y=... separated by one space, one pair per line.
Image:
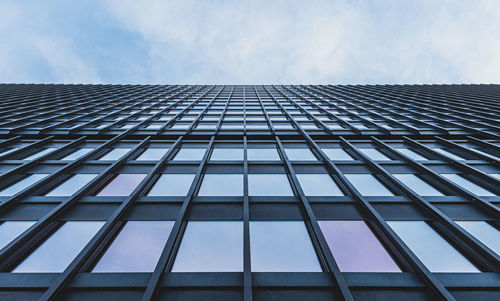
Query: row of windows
x=235 y=153
x=276 y=246
x=258 y=185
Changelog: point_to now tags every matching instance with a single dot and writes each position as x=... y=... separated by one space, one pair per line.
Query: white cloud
x=273 y=41
x=318 y=41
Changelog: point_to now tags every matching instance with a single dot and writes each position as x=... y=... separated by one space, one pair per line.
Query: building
x=200 y=192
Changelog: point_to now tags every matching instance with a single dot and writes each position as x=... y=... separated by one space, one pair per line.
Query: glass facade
x=249 y=192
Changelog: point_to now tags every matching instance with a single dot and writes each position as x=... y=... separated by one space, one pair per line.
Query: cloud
x=201 y=41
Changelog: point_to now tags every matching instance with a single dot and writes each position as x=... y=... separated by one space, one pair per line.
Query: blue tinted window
x=368 y=185
x=59 y=250
x=227 y=154
x=172 y=185
x=137 y=247
x=190 y=154
x=23 y=184
x=417 y=185
x=337 y=154
x=468 y=185
x=12 y=229
x=484 y=232
x=374 y=154
x=282 y=246
x=77 y=154
x=221 y=185
x=269 y=184
x=300 y=154
x=409 y=153
x=318 y=185
x=211 y=246
x=263 y=154
x=115 y=154
x=40 y=153
x=434 y=251
x=152 y=154
x=72 y=185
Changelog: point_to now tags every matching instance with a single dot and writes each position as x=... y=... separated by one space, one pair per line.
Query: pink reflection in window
x=122 y=185
x=355 y=248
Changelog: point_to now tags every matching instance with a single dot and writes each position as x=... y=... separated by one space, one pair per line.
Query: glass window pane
x=40 y=153
x=434 y=251
x=484 y=232
x=115 y=154
x=355 y=248
x=12 y=229
x=448 y=154
x=227 y=154
x=23 y=184
x=152 y=154
x=77 y=154
x=137 y=247
x=337 y=154
x=368 y=185
x=282 y=246
x=269 y=184
x=300 y=154
x=59 y=250
x=72 y=185
x=222 y=185
x=172 y=185
x=263 y=154
x=318 y=185
x=211 y=246
x=417 y=185
x=409 y=153
x=122 y=185
x=374 y=154
x=190 y=154
x=468 y=185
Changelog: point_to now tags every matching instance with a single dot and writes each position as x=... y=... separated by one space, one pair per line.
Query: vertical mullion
x=166 y=258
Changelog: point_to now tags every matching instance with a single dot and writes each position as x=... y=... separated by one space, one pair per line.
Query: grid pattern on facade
x=242 y=192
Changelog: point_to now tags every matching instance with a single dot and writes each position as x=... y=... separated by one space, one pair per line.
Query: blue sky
x=250 y=42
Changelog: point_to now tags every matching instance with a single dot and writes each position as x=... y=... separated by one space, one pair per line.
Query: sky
x=250 y=42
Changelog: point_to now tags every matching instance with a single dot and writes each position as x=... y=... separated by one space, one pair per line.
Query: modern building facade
x=241 y=192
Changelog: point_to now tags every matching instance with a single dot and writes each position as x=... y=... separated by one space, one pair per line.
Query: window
x=281 y=246
x=263 y=154
x=40 y=154
x=59 y=250
x=318 y=185
x=115 y=154
x=368 y=185
x=355 y=248
x=222 y=185
x=269 y=185
x=137 y=248
x=152 y=154
x=23 y=184
x=409 y=153
x=72 y=185
x=484 y=232
x=77 y=154
x=190 y=154
x=434 y=251
x=374 y=154
x=172 y=185
x=300 y=154
x=12 y=229
x=448 y=154
x=211 y=246
x=417 y=185
x=122 y=185
x=337 y=154
x=468 y=185
x=227 y=154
